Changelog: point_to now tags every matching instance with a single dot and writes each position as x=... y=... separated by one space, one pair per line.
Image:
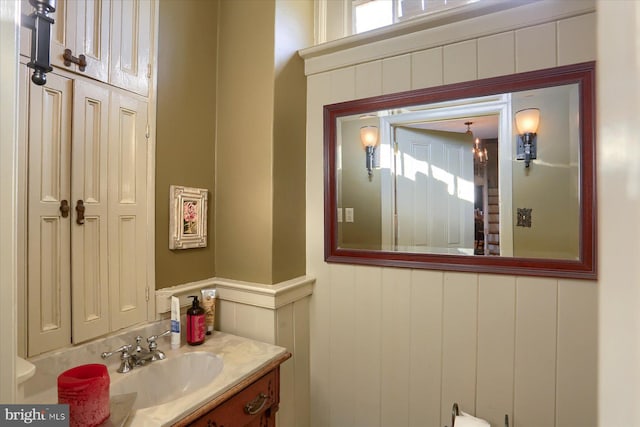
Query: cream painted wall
x=9 y=18
x=396 y=347
x=618 y=212
x=186 y=128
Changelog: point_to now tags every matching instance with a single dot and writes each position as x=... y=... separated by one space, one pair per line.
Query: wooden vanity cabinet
x=256 y=405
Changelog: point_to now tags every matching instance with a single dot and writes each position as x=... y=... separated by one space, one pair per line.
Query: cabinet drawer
x=253 y=402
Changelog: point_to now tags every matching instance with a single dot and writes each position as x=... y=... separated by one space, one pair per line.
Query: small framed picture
x=187 y=217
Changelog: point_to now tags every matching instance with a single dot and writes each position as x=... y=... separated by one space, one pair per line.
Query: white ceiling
x=483 y=127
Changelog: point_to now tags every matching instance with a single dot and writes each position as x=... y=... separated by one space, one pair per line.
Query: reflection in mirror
x=453 y=180
x=435 y=175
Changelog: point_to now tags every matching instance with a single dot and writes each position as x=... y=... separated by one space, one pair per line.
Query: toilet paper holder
x=455 y=411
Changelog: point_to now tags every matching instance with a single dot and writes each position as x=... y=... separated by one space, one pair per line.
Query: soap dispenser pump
x=196 y=325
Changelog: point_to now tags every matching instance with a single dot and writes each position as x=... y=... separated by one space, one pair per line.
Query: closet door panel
x=48 y=253
x=131 y=44
x=25 y=33
x=63 y=33
x=89 y=276
x=92 y=36
x=127 y=210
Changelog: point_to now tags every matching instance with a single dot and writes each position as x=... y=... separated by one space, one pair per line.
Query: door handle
x=64 y=208
x=80 y=211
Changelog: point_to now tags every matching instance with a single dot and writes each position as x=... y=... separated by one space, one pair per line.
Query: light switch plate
x=339 y=214
x=348 y=213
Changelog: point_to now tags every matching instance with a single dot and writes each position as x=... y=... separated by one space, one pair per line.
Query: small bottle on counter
x=196 y=325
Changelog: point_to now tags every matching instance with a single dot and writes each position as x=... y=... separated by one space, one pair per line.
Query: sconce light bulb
x=528 y=120
x=369 y=136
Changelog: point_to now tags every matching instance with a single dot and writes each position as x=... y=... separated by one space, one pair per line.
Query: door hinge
x=147 y=132
x=148 y=71
x=146 y=293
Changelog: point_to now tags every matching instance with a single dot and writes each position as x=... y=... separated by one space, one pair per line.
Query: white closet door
x=131 y=44
x=63 y=33
x=89 y=271
x=48 y=294
x=127 y=210
x=92 y=36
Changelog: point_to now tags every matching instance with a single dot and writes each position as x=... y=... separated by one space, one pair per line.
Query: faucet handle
x=152 y=339
x=125 y=357
x=124 y=350
x=153 y=345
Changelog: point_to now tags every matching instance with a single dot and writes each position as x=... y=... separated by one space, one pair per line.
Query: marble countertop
x=24 y=370
x=242 y=357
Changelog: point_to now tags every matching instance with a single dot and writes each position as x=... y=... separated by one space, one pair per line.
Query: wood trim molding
x=266 y=296
x=255 y=294
x=477 y=20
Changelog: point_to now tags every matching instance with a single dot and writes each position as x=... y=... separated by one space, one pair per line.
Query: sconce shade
x=369 y=136
x=528 y=120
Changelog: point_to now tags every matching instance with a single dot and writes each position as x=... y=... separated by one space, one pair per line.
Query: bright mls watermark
x=38 y=415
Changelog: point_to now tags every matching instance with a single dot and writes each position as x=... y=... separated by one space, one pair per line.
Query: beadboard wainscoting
x=397 y=347
x=275 y=314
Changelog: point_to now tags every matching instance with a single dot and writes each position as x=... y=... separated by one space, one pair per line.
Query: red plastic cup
x=85 y=389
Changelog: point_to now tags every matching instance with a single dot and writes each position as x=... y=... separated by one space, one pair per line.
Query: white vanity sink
x=166 y=380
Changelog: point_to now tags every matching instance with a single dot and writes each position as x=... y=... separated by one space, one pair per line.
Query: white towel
x=466 y=420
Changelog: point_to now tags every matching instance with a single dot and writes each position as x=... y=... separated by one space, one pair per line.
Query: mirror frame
x=583 y=268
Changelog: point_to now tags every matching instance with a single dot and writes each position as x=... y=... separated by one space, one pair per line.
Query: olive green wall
x=244 y=211
x=357 y=192
x=260 y=149
x=550 y=185
x=293 y=30
x=232 y=118
x=185 y=128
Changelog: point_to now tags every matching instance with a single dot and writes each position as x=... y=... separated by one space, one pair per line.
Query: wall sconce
x=527 y=122
x=369 y=139
x=40 y=25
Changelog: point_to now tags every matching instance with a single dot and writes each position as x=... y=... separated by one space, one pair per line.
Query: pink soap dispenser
x=196 y=326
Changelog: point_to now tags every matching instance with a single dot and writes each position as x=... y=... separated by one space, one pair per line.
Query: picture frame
x=187 y=217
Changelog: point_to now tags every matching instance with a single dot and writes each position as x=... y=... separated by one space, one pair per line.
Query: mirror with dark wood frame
x=449 y=178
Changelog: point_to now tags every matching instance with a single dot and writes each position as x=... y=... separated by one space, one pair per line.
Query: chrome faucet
x=153 y=346
x=126 y=363
x=139 y=356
